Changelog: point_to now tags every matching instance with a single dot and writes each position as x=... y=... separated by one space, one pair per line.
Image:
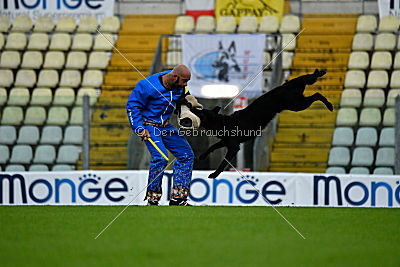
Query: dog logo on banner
x=226 y=62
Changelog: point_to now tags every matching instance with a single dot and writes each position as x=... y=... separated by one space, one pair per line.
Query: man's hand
x=144 y=134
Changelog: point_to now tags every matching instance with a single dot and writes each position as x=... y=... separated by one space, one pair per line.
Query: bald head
x=182 y=71
x=178 y=77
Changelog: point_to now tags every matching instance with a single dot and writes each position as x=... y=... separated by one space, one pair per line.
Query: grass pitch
x=198 y=236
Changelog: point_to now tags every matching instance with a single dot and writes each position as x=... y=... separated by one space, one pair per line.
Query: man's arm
x=136 y=103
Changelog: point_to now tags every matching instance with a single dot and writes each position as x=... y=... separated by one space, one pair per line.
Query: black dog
x=257 y=115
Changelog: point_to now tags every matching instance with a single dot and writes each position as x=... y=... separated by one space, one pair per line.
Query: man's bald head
x=182 y=71
x=179 y=77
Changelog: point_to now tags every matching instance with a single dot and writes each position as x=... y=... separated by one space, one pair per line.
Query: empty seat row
x=376 y=79
x=368 y=117
x=44 y=97
x=360 y=170
x=383 y=41
x=59 y=41
x=368 y=23
x=247 y=24
x=38 y=167
x=36 y=115
x=365 y=136
x=50 y=78
x=361 y=156
x=64 y=24
x=372 y=98
x=380 y=60
x=30 y=135
x=54 y=60
x=45 y=154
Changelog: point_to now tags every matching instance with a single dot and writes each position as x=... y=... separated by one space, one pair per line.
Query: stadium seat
x=366 y=136
x=16 y=41
x=38 y=41
x=28 y=135
x=48 y=78
x=86 y=91
x=54 y=60
x=184 y=24
x=76 y=116
x=339 y=156
x=102 y=42
x=64 y=97
x=51 y=135
x=226 y=24
x=287 y=60
x=6 y=78
x=62 y=167
x=290 y=24
x=358 y=60
x=381 y=60
x=370 y=117
x=347 y=117
x=3 y=96
x=248 y=24
x=60 y=41
x=18 y=97
x=8 y=135
x=335 y=170
x=82 y=41
x=391 y=99
x=76 y=60
x=366 y=23
x=385 y=157
x=66 y=24
x=45 y=154
x=22 y=24
x=44 y=24
x=68 y=154
x=70 y=78
x=377 y=79
x=388 y=24
x=58 y=116
x=288 y=41
x=38 y=168
x=362 y=42
x=389 y=117
x=383 y=171
x=32 y=60
x=351 y=98
x=343 y=136
x=374 y=98
x=174 y=58
x=21 y=154
x=267 y=58
x=15 y=168
x=35 y=115
x=92 y=78
x=2 y=41
x=4 y=23
x=385 y=41
x=354 y=79
x=362 y=156
x=41 y=97
x=87 y=24
x=110 y=24
x=10 y=59
x=395 y=79
x=269 y=24
x=386 y=137
x=175 y=43
x=396 y=64
x=25 y=78
x=12 y=116
x=98 y=60
x=73 y=135
x=359 y=170
x=205 y=24
x=4 y=154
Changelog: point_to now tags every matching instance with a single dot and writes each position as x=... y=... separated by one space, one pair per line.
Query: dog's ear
x=216 y=109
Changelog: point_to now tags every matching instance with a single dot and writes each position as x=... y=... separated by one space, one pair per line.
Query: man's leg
x=183 y=165
x=157 y=166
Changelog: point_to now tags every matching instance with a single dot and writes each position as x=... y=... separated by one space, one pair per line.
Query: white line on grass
x=258 y=191
x=105 y=228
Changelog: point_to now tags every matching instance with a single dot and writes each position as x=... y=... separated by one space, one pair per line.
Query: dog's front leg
x=232 y=151
x=211 y=149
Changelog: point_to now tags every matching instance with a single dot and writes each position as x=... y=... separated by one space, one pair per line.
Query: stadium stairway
x=303 y=139
x=110 y=129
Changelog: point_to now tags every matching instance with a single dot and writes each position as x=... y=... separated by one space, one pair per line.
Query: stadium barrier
x=230 y=189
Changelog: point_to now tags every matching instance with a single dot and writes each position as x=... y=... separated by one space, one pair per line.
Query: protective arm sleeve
x=136 y=103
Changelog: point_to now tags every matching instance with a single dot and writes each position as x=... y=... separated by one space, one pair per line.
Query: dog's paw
x=329 y=106
x=203 y=156
x=213 y=175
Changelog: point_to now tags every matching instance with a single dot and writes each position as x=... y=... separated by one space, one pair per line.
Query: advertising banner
x=57 y=8
x=389 y=8
x=218 y=60
x=230 y=189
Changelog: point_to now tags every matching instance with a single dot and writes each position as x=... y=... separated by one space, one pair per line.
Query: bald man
x=149 y=107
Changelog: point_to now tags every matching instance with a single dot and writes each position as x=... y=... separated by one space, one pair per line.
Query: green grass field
x=198 y=236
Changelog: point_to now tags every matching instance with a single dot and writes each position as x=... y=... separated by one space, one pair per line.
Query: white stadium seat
x=351 y=98
x=184 y=24
x=248 y=24
x=226 y=24
x=366 y=23
x=205 y=24
x=269 y=24
x=44 y=24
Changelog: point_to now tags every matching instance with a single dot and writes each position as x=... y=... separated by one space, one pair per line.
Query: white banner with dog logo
x=229 y=189
x=223 y=64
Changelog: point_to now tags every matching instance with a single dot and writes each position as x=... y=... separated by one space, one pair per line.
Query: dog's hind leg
x=232 y=151
x=211 y=149
x=307 y=101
